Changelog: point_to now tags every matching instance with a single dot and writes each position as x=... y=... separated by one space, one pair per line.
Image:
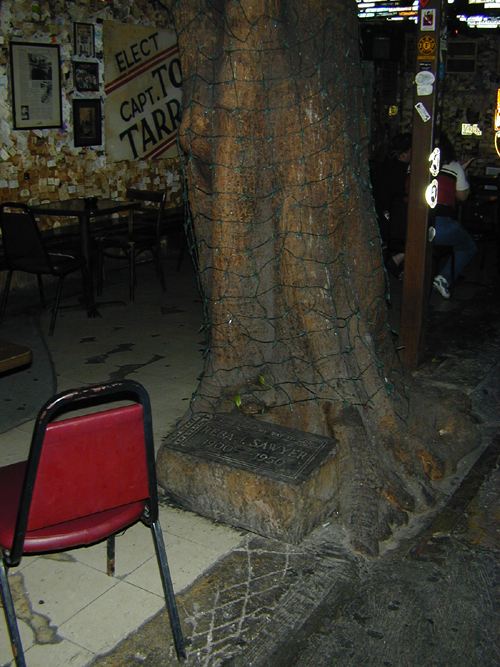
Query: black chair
x=143 y=235
x=171 y=223
x=25 y=250
x=480 y=216
x=87 y=478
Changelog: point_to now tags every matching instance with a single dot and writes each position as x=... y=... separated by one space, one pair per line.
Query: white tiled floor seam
x=90 y=611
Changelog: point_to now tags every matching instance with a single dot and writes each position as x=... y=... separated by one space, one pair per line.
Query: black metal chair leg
x=182 y=251
x=85 y=286
x=168 y=589
x=131 y=266
x=5 y=295
x=110 y=556
x=40 y=290
x=159 y=268
x=56 y=306
x=100 y=266
x=10 y=617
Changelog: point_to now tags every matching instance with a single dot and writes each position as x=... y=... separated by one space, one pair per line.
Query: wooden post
x=418 y=251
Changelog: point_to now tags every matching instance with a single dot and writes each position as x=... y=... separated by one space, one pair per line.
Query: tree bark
x=289 y=254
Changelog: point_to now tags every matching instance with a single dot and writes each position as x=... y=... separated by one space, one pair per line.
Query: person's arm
x=462 y=188
x=465 y=161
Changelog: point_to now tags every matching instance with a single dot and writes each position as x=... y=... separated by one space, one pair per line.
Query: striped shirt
x=451 y=179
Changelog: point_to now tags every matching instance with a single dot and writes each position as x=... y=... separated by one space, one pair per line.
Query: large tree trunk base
x=374 y=488
x=289 y=253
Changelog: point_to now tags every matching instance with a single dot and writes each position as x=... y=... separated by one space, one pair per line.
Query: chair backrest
x=23 y=245
x=88 y=464
x=480 y=212
x=149 y=215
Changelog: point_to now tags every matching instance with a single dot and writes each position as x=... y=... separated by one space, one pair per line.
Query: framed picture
x=84 y=40
x=87 y=122
x=86 y=76
x=36 y=85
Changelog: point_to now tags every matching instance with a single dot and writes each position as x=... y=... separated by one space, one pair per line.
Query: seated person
x=452 y=185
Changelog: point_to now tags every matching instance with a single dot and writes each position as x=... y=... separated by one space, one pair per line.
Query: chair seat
x=78 y=532
x=124 y=240
x=65 y=263
x=61 y=264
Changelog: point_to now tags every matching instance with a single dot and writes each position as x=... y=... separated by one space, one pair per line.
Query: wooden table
x=79 y=208
x=13 y=355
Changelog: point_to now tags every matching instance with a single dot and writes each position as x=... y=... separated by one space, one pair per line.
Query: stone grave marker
x=272 y=480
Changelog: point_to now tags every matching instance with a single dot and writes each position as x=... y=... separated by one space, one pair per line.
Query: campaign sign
x=143 y=86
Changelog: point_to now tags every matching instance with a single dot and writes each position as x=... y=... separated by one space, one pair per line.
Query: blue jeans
x=450 y=232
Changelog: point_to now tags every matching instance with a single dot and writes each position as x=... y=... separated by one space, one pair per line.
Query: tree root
x=388 y=474
x=387 y=467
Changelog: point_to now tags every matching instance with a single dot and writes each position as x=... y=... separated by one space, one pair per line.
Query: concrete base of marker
x=219 y=467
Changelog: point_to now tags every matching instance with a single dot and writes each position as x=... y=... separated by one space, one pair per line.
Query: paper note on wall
x=142 y=77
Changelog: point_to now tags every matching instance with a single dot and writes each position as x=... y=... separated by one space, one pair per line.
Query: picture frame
x=36 y=85
x=84 y=40
x=87 y=122
x=86 y=76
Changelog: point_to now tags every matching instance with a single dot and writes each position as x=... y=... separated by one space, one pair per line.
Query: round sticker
x=435 y=160
x=425 y=79
x=427 y=45
x=431 y=193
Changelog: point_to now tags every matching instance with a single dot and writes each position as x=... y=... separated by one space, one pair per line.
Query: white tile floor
x=68 y=609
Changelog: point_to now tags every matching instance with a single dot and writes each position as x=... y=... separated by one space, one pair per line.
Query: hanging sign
x=142 y=77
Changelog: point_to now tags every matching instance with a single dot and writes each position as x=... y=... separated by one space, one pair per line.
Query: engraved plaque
x=278 y=452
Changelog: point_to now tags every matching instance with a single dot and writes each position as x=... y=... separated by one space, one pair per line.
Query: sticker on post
x=431 y=193
x=435 y=161
x=423 y=91
x=422 y=112
x=425 y=78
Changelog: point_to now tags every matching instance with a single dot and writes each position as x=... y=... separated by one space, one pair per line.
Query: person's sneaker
x=441 y=286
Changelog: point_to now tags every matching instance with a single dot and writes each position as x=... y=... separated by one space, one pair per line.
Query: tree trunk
x=289 y=253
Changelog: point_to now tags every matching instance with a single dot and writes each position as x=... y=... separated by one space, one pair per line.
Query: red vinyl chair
x=86 y=478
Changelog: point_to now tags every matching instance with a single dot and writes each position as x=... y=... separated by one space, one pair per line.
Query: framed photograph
x=84 y=40
x=87 y=122
x=86 y=76
x=36 y=85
